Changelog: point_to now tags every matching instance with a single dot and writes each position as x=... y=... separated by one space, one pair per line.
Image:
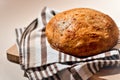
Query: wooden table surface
x=109 y=73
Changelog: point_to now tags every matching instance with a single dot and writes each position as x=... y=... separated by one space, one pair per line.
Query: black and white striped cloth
x=41 y=62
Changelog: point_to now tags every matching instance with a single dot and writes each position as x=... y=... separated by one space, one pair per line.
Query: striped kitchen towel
x=41 y=62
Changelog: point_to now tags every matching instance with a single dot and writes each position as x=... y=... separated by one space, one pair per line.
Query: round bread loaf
x=82 y=32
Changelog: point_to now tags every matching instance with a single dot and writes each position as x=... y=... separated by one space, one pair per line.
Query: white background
x=19 y=13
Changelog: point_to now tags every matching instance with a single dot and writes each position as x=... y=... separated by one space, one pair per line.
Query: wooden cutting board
x=109 y=73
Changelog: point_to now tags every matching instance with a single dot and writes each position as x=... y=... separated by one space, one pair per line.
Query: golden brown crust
x=82 y=32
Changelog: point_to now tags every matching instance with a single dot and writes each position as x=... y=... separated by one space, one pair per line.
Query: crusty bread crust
x=82 y=32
